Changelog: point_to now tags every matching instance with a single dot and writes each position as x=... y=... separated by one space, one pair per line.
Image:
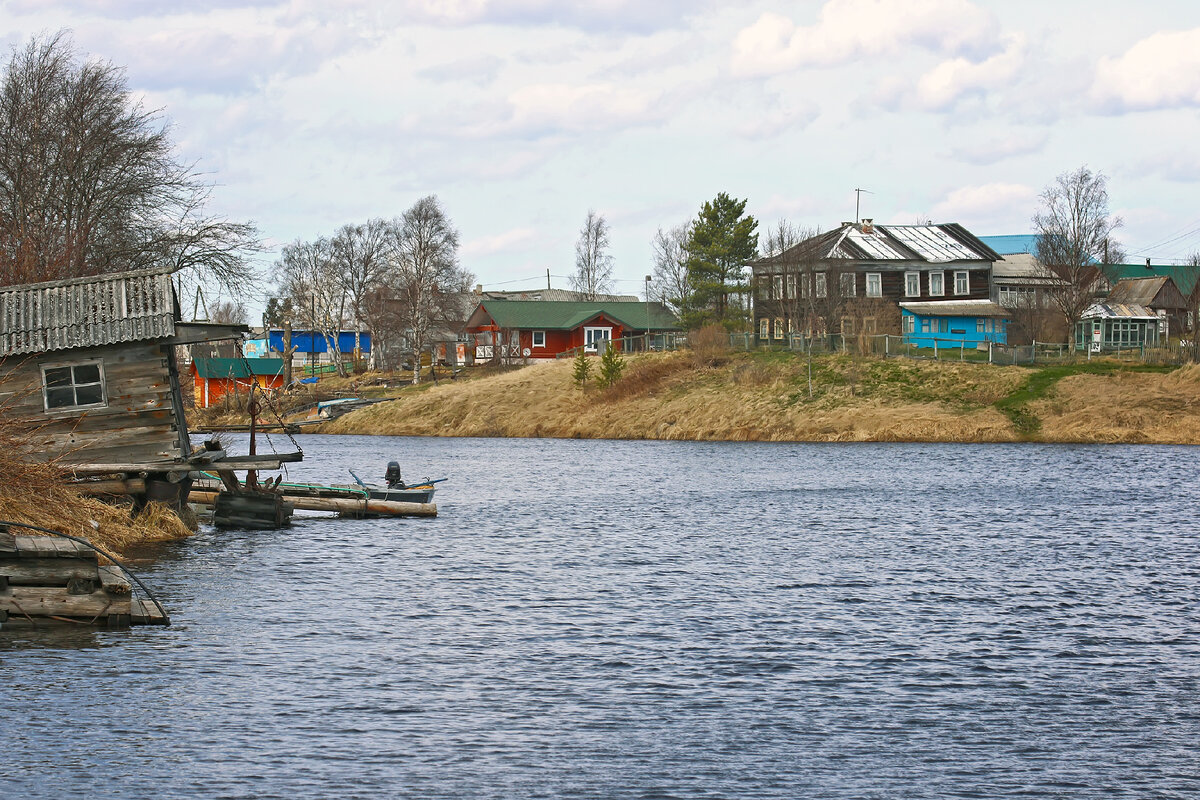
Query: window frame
x=820 y=285
x=764 y=328
x=941 y=276
x=537 y=339
x=965 y=275
x=778 y=328
x=912 y=280
x=74 y=407
x=852 y=283
x=878 y=278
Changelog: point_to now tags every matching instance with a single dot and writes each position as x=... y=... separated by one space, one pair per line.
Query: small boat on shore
x=396 y=490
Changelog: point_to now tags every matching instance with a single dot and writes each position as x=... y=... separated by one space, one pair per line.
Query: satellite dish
x=527 y=352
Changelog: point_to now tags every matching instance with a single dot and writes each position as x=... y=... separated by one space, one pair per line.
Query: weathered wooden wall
x=140 y=422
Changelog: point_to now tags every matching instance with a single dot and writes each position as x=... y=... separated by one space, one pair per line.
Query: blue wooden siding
x=952 y=331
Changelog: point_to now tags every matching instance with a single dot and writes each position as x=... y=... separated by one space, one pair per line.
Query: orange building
x=216 y=377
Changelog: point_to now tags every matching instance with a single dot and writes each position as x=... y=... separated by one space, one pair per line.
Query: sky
x=523 y=115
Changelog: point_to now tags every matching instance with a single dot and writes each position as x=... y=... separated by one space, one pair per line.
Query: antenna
x=858 y=193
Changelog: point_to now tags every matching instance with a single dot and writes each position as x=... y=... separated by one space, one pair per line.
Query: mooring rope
x=109 y=556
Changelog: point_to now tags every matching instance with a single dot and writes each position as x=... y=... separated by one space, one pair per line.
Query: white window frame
x=538 y=339
x=779 y=327
x=84 y=362
x=912 y=281
x=941 y=276
x=764 y=328
x=821 y=285
x=777 y=287
x=590 y=338
x=791 y=286
x=965 y=276
x=910 y=323
x=877 y=278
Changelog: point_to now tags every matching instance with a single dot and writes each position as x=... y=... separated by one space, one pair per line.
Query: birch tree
x=593 y=264
x=670 y=266
x=425 y=281
x=308 y=275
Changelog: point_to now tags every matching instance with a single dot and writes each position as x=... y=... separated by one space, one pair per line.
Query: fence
x=947 y=349
x=653 y=343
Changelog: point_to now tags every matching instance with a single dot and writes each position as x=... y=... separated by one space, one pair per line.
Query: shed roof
x=1184 y=276
x=237 y=367
x=957 y=308
x=566 y=315
x=1156 y=292
x=87 y=312
x=1118 y=311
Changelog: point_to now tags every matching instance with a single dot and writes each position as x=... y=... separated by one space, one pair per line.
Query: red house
x=540 y=329
x=216 y=377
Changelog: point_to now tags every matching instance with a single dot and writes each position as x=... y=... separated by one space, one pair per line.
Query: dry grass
x=33 y=493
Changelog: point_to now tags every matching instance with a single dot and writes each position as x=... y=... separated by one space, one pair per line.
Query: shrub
x=582 y=370
x=611 y=366
x=709 y=345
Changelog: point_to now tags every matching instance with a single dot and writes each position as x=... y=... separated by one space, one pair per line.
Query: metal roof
x=1155 y=292
x=957 y=308
x=564 y=315
x=1184 y=275
x=237 y=367
x=1012 y=244
x=1118 y=311
x=87 y=312
x=932 y=244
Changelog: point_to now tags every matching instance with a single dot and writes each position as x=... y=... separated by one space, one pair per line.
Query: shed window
x=539 y=338
x=79 y=385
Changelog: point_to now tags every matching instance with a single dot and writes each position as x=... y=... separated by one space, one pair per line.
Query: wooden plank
x=145 y=612
x=52 y=547
x=46 y=571
x=339 y=505
x=113 y=580
x=115 y=486
x=238 y=463
x=44 y=601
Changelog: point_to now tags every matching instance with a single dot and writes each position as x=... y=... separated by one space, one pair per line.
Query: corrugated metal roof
x=957 y=308
x=86 y=312
x=1147 y=292
x=933 y=244
x=1012 y=244
x=237 y=367
x=1118 y=310
x=563 y=315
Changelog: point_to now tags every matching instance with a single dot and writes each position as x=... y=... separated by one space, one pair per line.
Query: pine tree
x=583 y=369
x=722 y=239
x=611 y=366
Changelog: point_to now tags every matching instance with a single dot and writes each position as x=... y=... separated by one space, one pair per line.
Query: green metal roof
x=237 y=367
x=568 y=315
x=1184 y=276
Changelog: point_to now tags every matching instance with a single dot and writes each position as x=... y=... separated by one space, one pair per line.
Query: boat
x=396 y=490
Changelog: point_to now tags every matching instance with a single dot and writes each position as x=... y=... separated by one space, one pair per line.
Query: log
x=115 y=486
x=46 y=601
x=345 y=506
x=46 y=571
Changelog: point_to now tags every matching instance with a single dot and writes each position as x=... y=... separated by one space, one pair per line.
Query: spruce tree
x=583 y=369
x=611 y=366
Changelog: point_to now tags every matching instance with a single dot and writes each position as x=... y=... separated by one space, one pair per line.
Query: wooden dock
x=46 y=579
x=348 y=502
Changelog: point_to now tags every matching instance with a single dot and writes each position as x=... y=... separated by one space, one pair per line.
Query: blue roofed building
x=954 y=323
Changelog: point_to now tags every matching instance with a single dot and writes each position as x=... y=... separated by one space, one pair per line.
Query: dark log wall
x=139 y=423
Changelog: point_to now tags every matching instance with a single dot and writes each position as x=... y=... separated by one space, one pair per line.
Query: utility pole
x=547 y=278
x=647 y=313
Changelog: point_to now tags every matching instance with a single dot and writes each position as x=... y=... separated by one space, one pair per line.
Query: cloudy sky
x=521 y=115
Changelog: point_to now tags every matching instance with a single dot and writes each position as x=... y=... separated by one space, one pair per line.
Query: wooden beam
x=344 y=506
x=115 y=486
x=44 y=601
x=239 y=463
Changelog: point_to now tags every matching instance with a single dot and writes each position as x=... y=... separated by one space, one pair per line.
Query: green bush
x=611 y=366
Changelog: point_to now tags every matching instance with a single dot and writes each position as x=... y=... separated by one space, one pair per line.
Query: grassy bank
x=769 y=397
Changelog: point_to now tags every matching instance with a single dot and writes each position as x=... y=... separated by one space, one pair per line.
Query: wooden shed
x=89 y=363
x=213 y=378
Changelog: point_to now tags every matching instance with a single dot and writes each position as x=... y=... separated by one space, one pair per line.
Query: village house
x=1116 y=326
x=1159 y=295
x=949 y=323
x=213 y=378
x=89 y=364
x=852 y=279
x=525 y=329
x=315 y=351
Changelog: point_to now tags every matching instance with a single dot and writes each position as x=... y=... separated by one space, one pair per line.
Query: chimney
x=1147 y=262
x=478 y=289
x=868 y=226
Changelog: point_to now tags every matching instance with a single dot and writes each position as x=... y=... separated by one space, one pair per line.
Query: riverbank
x=767 y=397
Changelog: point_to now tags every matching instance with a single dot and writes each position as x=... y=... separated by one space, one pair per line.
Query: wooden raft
x=45 y=579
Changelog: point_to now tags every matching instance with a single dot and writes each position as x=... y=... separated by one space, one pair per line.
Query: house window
x=539 y=338
x=804 y=285
x=981 y=326
x=937 y=283
x=78 y=385
x=909 y=323
x=874 y=284
x=764 y=328
x=847 y=326
x=924 y=326
x=791 y=286
x=779 y=327
x=962 y=282
x=943 y=325
x=846 y=280
x=912 y=284
x=777 y=287
x=821 y=290
x=593 y=338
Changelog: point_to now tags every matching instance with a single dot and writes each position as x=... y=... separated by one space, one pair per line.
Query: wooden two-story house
x=853 y=279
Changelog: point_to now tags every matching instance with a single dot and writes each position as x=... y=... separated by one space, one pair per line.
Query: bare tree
x=593 y=264
x=89 y=182
x=425 y=280
x=1188 y=274
x=360 y=256
x=670 y=266
x=308 y=275
x=1074 y=230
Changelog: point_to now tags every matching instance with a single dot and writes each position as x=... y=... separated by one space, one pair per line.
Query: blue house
x=954 y=323
x=310 y=342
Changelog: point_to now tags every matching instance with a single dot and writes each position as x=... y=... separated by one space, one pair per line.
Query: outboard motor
x=392 y=476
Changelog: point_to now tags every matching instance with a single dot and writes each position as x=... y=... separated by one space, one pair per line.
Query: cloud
x=560 y=107
x=983 y=152
x=480 y=71
x=852 y=29
x=1160 y=71
x=515 y=240
x=943 y=86
x=778 y=119
x=634 y=16
x=972 y=205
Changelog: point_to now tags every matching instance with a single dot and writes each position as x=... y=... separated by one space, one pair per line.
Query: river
x=654 y=620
